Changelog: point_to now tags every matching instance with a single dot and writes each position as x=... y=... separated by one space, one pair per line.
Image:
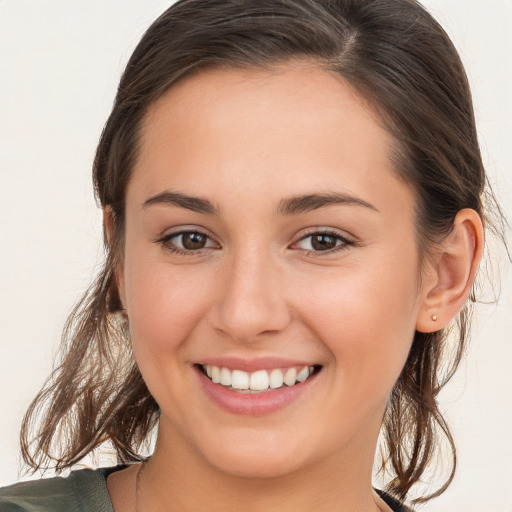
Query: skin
x=258 y=288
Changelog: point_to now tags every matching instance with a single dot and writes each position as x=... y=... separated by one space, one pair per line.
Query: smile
x=258 y=381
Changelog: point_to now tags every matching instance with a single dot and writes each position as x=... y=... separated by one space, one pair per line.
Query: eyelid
x=347 y=240
x=184 y=228
x=165 y=240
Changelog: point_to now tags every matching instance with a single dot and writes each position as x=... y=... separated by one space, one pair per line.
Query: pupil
x=193 y=241
x=323 y=242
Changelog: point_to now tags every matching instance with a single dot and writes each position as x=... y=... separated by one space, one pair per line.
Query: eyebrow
x=309 y=202
x=290 y=206
x=195 y=204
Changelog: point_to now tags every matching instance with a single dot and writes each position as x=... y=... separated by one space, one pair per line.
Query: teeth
x=276 y=379
x=303 y=374
x=225 y=377
x=239 y=379
x=290 y=377
x=260 y=380
x=215 y=374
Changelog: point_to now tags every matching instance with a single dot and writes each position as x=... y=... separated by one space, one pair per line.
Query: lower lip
x=256 y=404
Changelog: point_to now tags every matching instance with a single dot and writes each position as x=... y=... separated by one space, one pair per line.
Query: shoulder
x=82 y=491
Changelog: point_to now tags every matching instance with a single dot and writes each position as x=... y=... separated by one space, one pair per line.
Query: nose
x=251 y=299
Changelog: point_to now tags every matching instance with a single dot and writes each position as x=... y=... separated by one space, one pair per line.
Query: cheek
x=164 y=304
x=164 y=308
x=366 y=317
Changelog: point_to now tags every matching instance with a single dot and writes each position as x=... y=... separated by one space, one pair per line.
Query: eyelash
x=345 y=242
x=169 y=246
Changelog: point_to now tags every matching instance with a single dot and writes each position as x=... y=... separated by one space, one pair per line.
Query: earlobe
x=453 y=272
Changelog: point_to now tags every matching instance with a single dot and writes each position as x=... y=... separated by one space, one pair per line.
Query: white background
x=60 y=62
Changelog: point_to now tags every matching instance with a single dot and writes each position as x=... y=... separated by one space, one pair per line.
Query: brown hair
x=402 y=62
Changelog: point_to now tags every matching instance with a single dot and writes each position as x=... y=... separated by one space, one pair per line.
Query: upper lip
x=253 y=365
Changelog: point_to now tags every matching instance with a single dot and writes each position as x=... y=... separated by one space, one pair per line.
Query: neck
x=341 y=483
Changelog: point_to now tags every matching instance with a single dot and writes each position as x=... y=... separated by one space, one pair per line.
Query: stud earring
x=434 y=318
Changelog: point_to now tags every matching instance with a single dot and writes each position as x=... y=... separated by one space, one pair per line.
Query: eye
x=323 y=241
x=185 y=242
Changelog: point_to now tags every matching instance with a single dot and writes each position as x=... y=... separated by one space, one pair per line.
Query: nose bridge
x=252 y=301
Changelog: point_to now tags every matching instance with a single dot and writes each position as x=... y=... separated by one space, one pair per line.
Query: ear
x=452 y=272
x=108 y=231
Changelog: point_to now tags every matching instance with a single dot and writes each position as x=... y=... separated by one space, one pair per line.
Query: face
x=267 y=233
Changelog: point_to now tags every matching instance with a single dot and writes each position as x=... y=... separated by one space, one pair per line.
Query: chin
x=257 y=460
x=262 y=468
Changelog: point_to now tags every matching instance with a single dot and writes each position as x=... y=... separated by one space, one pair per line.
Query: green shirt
x=82 y=491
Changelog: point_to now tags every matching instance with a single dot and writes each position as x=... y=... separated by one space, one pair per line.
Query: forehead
x=284 y=131
x=293 y=99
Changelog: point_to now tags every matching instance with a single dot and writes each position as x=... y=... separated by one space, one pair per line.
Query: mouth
x=260 y=381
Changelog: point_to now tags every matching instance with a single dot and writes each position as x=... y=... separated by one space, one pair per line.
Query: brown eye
x=193 y=241
x=188 y=242
x=323 y=242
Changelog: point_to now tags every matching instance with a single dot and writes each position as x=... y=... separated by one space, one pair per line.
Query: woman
x=292 y=196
